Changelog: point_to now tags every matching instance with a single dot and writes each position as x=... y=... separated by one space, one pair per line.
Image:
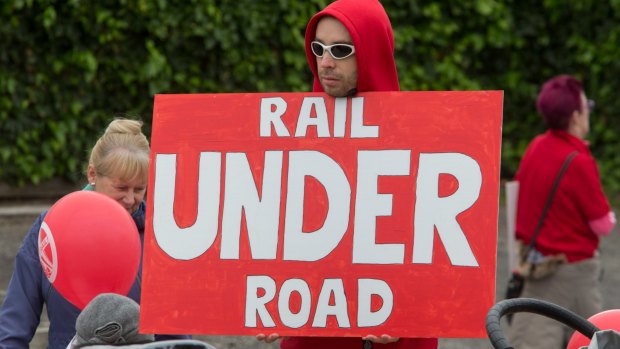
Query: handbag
x=535 y=266
x=532 y=264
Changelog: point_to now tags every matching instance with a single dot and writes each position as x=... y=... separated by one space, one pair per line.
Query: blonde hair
x=122 y=151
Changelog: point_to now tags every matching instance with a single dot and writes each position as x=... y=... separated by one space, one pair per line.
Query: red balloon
x=89 y=244
x=606 y=320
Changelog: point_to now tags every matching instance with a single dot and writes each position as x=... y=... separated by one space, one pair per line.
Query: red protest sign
x=301 y=214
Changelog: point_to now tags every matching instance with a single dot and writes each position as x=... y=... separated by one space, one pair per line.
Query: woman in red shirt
x=576 y=219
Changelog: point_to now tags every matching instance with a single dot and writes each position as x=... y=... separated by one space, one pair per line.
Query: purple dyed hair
x=558 y=99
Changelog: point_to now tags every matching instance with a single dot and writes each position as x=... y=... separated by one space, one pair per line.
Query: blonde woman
x=118 y=167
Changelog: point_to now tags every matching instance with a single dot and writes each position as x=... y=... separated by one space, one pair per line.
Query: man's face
x=337 y=76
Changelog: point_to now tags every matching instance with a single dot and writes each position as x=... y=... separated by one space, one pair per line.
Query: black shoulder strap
x=550 y=198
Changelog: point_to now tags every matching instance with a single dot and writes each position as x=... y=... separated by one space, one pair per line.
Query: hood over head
x=371 y=32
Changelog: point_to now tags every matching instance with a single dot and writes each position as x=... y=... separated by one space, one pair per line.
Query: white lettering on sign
x=301 y=246
x=191 y=242
x=340 y=117
x=271 y=111
x=305 y=117
x=433 y=211
x=261 y=290
x=313 y=113
x=287 y=316
x=358 y=129
x=255 y=305
x=263 y=216
x=366 y=289
x=369 y=204
x=331 y=287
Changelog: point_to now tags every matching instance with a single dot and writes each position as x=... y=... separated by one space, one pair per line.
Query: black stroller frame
x=537 y=306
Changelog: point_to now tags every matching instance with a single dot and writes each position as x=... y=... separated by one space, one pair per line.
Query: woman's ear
x=91 y=174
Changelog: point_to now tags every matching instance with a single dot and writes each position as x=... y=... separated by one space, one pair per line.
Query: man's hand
x=383 y=339
x=268 y=338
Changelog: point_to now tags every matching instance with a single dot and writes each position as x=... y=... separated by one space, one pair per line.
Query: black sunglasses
x=338 y=51
x=591 y=105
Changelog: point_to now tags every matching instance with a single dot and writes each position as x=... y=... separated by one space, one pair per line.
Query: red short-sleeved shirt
x=579 y=197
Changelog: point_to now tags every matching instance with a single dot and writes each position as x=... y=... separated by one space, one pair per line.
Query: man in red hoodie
x=350 y=49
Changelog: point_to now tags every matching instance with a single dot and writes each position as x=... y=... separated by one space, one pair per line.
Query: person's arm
x=594 y=203
x=21 y=311
x=604 y=225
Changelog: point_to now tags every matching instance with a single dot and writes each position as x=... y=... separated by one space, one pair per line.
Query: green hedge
x=67 y=67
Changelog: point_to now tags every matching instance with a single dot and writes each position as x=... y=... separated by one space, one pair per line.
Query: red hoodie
x=371 y=31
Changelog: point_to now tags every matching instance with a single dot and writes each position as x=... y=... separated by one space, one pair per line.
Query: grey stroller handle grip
x=530 y=305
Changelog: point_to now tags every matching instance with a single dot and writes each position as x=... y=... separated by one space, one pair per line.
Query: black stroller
x=601 y=338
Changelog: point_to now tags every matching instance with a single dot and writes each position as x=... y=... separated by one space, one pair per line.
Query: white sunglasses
x=338 y=51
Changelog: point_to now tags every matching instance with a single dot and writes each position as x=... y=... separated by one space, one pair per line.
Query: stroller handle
x=537 y=306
